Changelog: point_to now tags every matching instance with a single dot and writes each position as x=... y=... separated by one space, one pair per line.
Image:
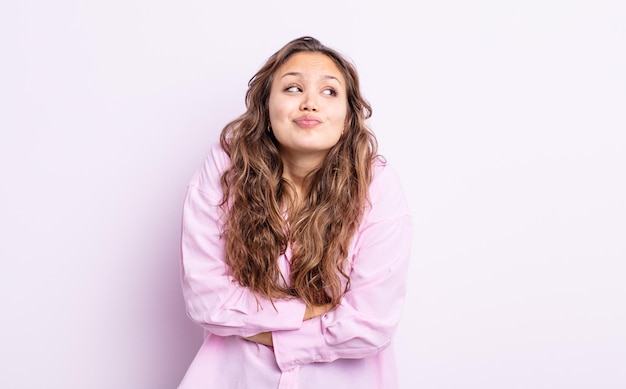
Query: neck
x=296 y=170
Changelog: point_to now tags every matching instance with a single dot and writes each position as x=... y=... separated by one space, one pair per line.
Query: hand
x=316 y=310
x=262 y=338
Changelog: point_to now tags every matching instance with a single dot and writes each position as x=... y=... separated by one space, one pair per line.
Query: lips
x=307 y=121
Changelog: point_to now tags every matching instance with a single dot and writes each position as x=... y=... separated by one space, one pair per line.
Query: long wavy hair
x=256 y=197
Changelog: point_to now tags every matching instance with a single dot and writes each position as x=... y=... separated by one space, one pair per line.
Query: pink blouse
x=348 y=347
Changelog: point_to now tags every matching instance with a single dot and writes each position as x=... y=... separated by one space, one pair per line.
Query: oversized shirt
x=348 y=347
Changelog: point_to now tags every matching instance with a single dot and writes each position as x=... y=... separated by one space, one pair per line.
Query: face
x=308 y=105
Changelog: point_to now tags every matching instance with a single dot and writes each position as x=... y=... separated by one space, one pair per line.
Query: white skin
x=308 y=106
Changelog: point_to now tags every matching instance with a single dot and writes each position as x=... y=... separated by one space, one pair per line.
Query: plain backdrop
x=505 y=119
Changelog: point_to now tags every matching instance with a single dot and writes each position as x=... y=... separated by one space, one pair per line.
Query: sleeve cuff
x=302 y=346
x=287 y=315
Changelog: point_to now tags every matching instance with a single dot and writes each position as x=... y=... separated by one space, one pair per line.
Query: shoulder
x=385 y=179
x=208 y=175
x=387 y=195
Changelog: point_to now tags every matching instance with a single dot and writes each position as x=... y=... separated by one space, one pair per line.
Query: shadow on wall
x=176 y=339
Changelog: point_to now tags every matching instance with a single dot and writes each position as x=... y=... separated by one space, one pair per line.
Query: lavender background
x=506 y=120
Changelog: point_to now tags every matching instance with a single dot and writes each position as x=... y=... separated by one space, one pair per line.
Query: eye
x=329 y=92
x=293 y=88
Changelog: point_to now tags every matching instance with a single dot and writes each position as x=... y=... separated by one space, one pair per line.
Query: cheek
x=341 y=115
x=271 y=105
x=278 y=109
x=340 y=110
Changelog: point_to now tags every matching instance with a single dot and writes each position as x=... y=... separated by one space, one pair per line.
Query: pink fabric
x=348 y=347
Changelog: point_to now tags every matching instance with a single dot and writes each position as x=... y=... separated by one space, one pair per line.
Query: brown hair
x=256 y=195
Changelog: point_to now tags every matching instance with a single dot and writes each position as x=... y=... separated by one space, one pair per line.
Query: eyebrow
x=326 y=76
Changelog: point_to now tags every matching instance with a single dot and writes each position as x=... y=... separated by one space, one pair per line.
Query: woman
x=296 y=236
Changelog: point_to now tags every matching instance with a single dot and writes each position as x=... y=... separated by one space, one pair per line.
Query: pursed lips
x=307 y=121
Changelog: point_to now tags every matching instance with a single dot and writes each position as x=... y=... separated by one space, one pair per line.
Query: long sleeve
x=365 y=321
x=213 y=298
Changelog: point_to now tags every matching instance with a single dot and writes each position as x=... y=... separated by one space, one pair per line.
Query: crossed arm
x=310 y=312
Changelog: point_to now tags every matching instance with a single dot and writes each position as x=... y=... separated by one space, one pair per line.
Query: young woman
x=296 y=236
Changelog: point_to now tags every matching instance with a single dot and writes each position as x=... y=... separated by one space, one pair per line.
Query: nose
x=309 y=103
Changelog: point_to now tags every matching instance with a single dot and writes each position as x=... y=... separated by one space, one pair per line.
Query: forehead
x=310 y=64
